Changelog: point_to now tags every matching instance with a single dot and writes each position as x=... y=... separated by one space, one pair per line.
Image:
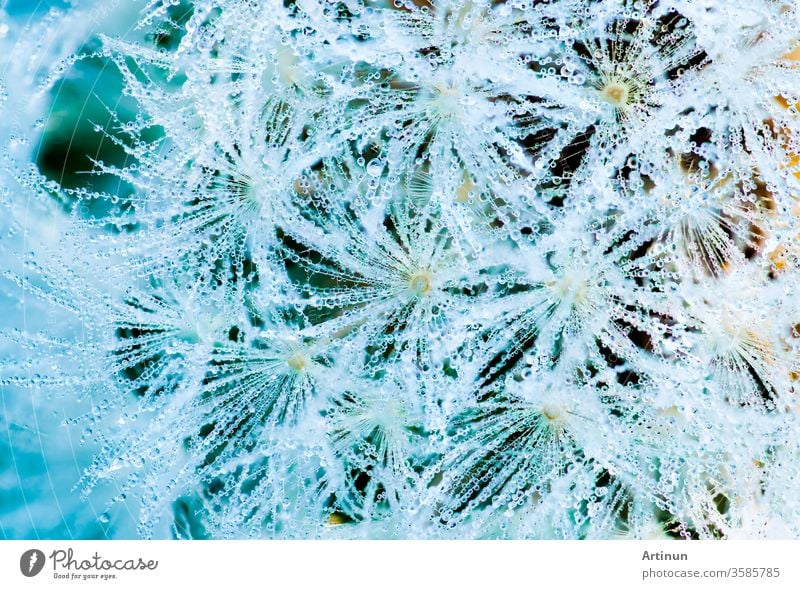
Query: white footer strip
x=407 y=564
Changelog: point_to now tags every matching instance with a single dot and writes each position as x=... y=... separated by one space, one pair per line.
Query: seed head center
x=552 y=412
x=297 y=362
x=615 y=93
x=572 y=287
x=447 y=101
x=420 y=282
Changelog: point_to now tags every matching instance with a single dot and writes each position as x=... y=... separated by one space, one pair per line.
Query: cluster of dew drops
x=438 y=269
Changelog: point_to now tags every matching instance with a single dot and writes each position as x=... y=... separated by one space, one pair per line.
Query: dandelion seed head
x=448 y=269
